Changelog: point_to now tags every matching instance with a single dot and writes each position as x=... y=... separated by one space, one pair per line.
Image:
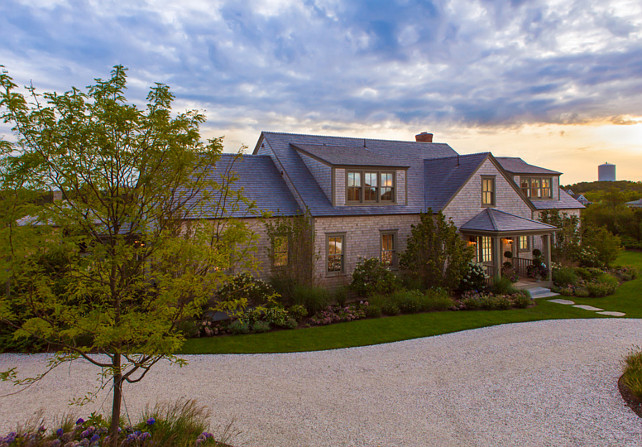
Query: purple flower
x=80 y=421
x=151 y=421
x=60 y=432
x=145 y=435
x=95 y=438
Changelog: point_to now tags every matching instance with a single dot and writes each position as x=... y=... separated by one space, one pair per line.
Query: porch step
x=540 y=292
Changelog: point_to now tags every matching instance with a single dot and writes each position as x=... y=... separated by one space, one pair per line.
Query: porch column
x=497 y=256
x=547 y=256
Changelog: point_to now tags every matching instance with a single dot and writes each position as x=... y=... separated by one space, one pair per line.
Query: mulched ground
x=630 y=398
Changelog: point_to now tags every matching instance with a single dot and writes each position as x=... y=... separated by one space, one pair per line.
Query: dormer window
x=536 y=187
x=366 y=187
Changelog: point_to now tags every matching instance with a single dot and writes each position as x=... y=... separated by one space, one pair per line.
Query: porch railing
x=521 y=264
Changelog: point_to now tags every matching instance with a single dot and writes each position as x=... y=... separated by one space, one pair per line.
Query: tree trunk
x=117 y=400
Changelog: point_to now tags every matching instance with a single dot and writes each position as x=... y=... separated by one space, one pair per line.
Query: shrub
x=625 y=273
x=436 y=300
x=632 y=376
x=340 y=295
x=314 y=299
x=298 y=312
x=262 y=326
x=603 y=244
x=239 y=327
x=589 y=257
x=582 y=292
x=373 y=311
x=521 y=300
x=435 y=252
x=408 y=301
x=244 y=285
x=474 y=278
x=370 y=276
x=336 y=314
x=390 y=308
x=564 y=276
x=604 y=285
x=502 y=285
x=291 y=323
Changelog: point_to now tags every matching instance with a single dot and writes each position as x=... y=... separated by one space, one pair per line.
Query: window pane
x=354 y=187
x=488 y=191
x=546 y=188
x=523 y=243
x=387 y=249
x=335 y=254
x=536 y=192
x=486 y=249
x=280 y=251
x=370 y=187
x=526 y=187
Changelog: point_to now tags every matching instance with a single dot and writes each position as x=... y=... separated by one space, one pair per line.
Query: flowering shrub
x=184 y=423
x=490 y=301
x=337 y=314
x=370 y=276
x=245 y=286
x=474 y=278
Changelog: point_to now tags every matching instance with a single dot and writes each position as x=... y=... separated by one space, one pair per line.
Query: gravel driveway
x=547 y=383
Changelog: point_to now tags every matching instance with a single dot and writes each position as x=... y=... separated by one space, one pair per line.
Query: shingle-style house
x=363 y=195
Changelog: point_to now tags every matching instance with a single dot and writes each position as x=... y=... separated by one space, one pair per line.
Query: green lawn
x=628 y=298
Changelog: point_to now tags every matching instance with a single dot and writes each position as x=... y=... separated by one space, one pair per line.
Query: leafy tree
x=113 y=268
x=602 y=242
x=566 y=243
x=435 y=253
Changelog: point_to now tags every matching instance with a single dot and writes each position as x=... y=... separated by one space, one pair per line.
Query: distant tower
x=606 y=172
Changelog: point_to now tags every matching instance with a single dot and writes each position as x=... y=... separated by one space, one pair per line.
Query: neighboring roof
x=443 y=177
x=492 y=220
x=259 y=181
x=635 y=204
x=407 y=153
x=566 y=202
x=348 y=156
x=516 y=165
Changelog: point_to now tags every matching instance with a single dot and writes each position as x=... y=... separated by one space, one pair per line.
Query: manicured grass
x=628 y=298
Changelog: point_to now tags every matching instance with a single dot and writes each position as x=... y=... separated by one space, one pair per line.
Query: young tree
x=435 y=253
x=112 y=268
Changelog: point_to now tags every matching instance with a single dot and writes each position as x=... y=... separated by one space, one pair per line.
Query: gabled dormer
x=538 y=184
x=354 y=175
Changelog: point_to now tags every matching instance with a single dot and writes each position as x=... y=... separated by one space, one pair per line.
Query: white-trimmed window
x=522 y=243
x=536 y=187
x=485 y=249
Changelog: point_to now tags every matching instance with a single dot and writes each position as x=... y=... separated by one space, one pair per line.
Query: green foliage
x=625 y=273
x=435 y=253
x=632 y=376
x=371 y=277
x=474 y=278
x=298 y=312
x=114 y=266
x=374 y=311
x=566 y=243
x=239 y=327
x=564 y=276
x=603 y=285
x=408 y=301
x=411 y=301
x=605 y=247
x=244 y=285
x=312 y=298
x=297 y=268
x=502 y=285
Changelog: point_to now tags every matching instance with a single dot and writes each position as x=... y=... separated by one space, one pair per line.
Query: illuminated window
x=388 y=255
x=536 y=187
x=370 y=187
x=335 y=249
x=280 y=251
x=523 y=243
x=488 y=190
x=486 y=249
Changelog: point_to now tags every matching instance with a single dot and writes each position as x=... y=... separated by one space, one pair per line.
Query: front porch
x=520 y=247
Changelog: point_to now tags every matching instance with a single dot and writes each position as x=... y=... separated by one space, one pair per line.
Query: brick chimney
x=423 y=137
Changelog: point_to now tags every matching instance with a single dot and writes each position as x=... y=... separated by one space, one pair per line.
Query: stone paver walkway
x=610 y=313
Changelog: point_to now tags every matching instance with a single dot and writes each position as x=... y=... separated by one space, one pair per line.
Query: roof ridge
x=351 y=138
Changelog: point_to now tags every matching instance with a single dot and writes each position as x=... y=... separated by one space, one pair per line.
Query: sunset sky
x=558 y=83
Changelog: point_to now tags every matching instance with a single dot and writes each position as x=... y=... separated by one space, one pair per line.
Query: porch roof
x=492 y=221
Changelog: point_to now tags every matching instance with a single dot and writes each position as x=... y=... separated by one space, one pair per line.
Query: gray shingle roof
x=259 y=181
x=443 y=177
x=496 y=221
x=349 y=156
x=407 y=153
x=566 y=202
x=516 y=165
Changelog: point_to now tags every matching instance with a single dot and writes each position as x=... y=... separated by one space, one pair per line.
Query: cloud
x=465 y=62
